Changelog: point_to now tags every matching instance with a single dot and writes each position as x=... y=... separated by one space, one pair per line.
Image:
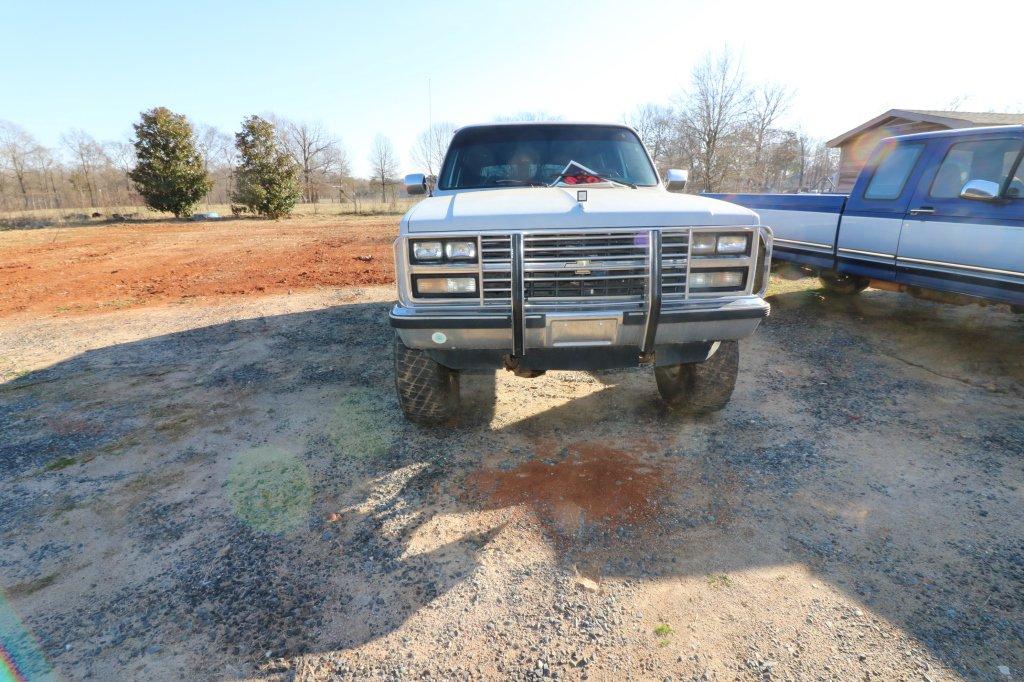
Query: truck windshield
x=535 y=155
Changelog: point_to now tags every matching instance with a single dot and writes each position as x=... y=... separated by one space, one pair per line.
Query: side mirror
x=675 y=179
x=980 y=190
x=416 y=183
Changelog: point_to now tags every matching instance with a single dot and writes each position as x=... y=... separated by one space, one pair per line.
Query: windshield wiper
x=627 y=183
x=518 y=183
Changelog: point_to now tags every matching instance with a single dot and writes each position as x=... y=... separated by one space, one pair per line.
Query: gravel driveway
x=229 y=490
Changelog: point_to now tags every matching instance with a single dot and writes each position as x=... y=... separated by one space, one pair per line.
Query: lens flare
x=359 y=426
x=20 y=656
x=270 y=490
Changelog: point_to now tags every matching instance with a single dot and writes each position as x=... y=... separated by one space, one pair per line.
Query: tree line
x=725 y=131
x=173 y=164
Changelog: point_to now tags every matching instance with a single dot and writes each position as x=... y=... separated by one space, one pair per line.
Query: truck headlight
x=717 y=280
x=704 y=242
x=708 y=243
x=432 y=251
x=460 y=250
x=444 y=286
x=427 y=251
x=733 y=243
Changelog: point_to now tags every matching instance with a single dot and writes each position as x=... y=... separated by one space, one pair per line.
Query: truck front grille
x=675 y=246
x=496 y=264
x=580 y=267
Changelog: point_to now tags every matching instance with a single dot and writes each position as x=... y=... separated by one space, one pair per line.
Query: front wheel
x=701 y=387
x=843 y=284
x=427 y=391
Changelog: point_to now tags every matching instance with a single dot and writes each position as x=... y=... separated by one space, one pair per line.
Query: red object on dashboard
x=582 y=178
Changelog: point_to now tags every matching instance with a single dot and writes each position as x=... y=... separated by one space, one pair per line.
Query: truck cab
x=557 y=246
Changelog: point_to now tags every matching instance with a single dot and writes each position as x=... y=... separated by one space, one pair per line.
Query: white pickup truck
x=556 y=246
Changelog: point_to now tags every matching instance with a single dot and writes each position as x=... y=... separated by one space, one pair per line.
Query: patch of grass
x=719 y=580
x=663 y=631
x=60 y=463
x=32 y=586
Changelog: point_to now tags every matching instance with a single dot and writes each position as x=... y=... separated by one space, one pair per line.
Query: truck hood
x=556 y=208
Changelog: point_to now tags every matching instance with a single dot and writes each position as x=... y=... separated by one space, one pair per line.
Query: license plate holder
x=583 y=332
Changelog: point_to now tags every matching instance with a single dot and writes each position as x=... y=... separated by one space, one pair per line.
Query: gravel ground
x=227 y=490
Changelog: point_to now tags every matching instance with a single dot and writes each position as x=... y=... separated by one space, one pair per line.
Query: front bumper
x=552 y=339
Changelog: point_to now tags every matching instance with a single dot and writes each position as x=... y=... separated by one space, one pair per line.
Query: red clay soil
x=85 y=269
x=594 y=485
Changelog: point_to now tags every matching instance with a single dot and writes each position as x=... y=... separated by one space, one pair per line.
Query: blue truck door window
x=870 y=229
x=890 y=177
x=966 y=245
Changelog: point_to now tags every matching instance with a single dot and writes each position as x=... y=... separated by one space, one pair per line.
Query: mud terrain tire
x=427 y=391
x=843 y=284
x=701 y=387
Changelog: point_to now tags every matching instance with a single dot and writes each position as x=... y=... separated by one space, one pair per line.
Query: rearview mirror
x=416 y=183
x=980 y=190
x=675 y=179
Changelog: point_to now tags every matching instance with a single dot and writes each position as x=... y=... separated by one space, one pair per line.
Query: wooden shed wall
x=854 y=153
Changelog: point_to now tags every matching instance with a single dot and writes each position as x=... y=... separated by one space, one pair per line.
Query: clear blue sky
x=362 y=68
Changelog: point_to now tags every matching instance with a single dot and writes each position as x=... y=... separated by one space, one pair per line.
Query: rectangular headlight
x=704 y=242
x=717 y=279
x=444 y=286
x=460 y=250
x=732 y=243
x=427 y=250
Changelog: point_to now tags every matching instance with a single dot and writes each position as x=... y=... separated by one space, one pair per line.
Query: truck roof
x=961 y=132
x=500 y=124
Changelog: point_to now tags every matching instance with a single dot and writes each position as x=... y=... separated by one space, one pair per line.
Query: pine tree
x=169 y=172
x=267 y=178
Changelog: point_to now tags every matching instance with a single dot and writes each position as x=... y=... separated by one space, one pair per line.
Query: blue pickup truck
x=940 y=211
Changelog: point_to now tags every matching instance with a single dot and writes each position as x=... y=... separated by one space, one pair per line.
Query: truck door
x=869 y=232
x=968 y=245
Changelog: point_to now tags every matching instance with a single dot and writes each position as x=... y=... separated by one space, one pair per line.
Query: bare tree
x=430 y=147
x=656 y=125
x=767 y=104
x=219 y=155
x=87 y=155
x=383 y=163
x=216 y=147
x=121 y=158
x=713 y=113
x=18 y=149
x=318 y=153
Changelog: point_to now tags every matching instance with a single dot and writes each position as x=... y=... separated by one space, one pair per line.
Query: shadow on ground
x=250 y=488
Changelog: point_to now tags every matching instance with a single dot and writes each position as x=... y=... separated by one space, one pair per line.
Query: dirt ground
x=103 y=267
x=225 y=488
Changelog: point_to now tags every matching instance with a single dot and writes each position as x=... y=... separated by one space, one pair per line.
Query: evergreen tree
x=267 y=178
x=169 y=173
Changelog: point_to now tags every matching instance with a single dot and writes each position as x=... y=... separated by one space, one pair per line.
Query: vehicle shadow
x=251 y=487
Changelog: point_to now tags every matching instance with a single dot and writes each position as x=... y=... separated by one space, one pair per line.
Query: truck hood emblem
x=580 y=266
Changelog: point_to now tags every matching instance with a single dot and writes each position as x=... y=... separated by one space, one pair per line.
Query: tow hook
x=512 y=365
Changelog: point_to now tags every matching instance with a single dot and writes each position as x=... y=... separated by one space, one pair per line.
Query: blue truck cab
x=939 y=211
